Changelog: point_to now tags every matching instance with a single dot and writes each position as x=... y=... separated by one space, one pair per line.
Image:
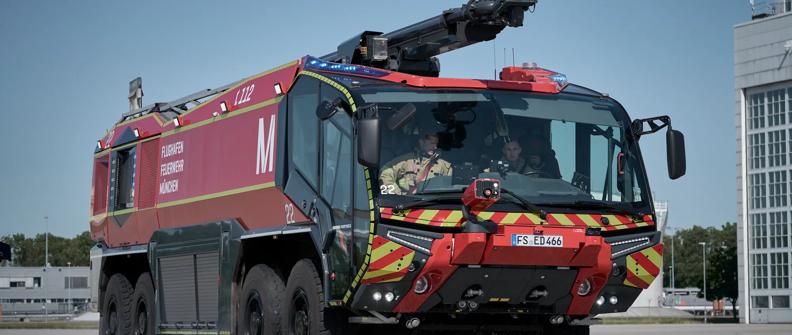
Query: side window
x=362 y=220
x=337 y=158
x=100 y=176
x=336 y=169
x=303 y=128
x=125 y=179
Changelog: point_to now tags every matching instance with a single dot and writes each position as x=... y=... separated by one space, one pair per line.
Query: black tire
x=303 y=307
x=116 y=307
x=143 y=317
x=260 y=302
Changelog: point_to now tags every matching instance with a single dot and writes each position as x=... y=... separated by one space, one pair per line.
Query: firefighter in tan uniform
x=408 y=170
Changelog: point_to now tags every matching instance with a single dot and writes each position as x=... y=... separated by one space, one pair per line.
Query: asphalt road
x=729 y=329
x=695 y=329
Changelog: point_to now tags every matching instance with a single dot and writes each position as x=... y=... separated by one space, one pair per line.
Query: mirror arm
x=655 y=123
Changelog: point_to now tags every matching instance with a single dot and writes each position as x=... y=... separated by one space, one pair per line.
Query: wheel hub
x=255 y=315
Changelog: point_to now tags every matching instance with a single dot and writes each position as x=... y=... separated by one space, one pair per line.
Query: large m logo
x=265 y=154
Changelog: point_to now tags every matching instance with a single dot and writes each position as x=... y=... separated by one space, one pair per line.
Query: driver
x=410 y=169
x=540 y=158
x=512 y=155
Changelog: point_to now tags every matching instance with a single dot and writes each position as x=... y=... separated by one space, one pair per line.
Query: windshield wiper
x=525 y=203
x=441 y=191
x=588 y=204
x=427 y=201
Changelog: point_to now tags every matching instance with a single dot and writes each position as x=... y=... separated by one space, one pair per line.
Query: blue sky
x=65 y=67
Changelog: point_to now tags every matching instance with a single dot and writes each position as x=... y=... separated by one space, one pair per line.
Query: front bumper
x=507 y=279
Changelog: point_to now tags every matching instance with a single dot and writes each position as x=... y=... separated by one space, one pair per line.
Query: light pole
x=68 y=275
x=46 y=265
x=704 y=267
x=673 y=269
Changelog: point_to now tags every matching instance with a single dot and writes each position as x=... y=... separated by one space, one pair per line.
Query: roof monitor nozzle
x=135 y=94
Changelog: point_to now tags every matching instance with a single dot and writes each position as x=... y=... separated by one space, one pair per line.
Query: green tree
x=721 y=245
x=723 y=281
x=29 y=251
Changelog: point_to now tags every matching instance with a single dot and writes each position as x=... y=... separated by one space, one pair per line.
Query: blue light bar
x=320 y=65
x=560 y=79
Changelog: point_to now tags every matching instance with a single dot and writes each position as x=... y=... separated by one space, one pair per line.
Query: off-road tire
x=303 y=307
x=259 y=304
x=143 y=317
x=117 y=307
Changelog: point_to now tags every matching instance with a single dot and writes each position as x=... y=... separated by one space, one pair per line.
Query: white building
x=763 y=99
x=653 y=296
x=27 y=290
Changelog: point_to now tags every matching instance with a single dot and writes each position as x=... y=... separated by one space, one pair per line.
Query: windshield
x=548 y=149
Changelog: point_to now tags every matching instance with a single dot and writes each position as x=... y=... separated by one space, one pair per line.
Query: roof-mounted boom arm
x=411 y=49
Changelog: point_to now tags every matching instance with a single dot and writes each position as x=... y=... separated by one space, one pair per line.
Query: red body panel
x=207 y=161
x=212 y=167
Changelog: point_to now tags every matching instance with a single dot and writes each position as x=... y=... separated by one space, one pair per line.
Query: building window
x=36 y=281
x=760 y=302
x=776 y=148
x=75 y=282
x=780 y=301
x=776 y=107
x=758 y=231
x=757 y=144
x=779 y=270
x=789 y=101
x=759 y=271
x=756 y=111
x=16 y=283
x=758 y=190
x=779 y=230
x=778 y=188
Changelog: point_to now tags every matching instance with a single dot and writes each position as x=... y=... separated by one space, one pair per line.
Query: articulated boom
x=412 y=49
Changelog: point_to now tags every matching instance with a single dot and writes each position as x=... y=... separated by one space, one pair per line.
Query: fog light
x=413 y=323
x=389 y=296
x=584 y=288
x=613 y=300
x=600 y=301
x=376 y=296
x=421 y=285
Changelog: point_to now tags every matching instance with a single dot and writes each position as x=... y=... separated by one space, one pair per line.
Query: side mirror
x=368 y=142
x=675 y=142
x=675 y=152
x=327 y=109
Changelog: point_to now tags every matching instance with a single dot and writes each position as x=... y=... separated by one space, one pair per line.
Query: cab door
x=319 y=176
x=336 y=189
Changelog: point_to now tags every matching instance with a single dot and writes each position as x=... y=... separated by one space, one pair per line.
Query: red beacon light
x=542 y=80
x=481 y=194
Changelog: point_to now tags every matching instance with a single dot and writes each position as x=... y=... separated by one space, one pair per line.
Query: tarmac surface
x=693 y=329
x=665 y=329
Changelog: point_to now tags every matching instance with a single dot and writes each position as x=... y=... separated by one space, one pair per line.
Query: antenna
x=512 y=56
x=494 y=62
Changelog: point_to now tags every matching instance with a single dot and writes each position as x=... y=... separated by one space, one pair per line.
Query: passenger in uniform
x=541 y=159
x=407 y=171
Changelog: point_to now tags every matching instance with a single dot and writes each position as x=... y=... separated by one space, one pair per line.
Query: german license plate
x=547 y=241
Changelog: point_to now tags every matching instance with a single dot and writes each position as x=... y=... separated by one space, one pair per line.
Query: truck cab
x=570 y=235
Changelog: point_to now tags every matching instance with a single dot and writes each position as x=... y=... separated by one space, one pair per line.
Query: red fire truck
x=359 y=191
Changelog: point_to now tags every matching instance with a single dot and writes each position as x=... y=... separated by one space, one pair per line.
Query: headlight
x=421 y=285
x=585 y=287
